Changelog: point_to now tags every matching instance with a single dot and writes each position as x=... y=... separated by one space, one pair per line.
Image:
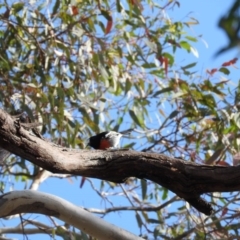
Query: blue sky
x=208 y=14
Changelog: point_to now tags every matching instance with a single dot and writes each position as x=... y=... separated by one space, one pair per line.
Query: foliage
x=231 y=25
x=97 y=65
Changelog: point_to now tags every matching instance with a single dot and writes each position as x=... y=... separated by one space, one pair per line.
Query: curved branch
x=28 y=201
x=187 y=179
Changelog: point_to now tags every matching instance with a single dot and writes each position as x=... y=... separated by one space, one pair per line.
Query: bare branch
x=59 y=231
x=41 y=177
x=137 y=208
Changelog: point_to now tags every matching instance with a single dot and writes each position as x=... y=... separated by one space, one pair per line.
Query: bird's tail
x=127 y=131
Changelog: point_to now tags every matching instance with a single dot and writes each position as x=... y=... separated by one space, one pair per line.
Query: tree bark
x=29 y=201
x=187 y=179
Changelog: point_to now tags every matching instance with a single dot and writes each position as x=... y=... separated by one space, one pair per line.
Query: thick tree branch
x=29 y=201
x=188 y=180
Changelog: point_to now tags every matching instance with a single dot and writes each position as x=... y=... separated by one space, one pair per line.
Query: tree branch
x=133 y=208
x=187 y=179
x=28 y=201
x=60 y=231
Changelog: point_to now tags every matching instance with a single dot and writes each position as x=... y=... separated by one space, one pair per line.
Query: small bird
x=106 y=140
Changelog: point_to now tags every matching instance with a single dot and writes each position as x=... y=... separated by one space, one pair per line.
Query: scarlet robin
x=106 y=140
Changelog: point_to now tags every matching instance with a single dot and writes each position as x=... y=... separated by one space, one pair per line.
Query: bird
x=106 y=140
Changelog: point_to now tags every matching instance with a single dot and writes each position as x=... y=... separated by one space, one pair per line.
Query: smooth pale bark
x=28 y=201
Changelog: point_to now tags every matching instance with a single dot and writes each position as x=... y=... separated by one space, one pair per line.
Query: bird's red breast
x=106 y=140
x=104 y=144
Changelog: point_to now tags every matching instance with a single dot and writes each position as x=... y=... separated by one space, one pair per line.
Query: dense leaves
x=90 y=66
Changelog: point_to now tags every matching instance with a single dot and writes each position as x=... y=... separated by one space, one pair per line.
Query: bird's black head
x=94 y=141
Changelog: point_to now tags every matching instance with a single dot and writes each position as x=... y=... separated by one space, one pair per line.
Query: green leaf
x=149 y=65
x=154 y=221
x=224 y=70
x=193 y=39
x=236 y=117
x=136 y=119
x=165 y=194
x=139 y=220
x=128 y=85
x=119 y=7
x=185 y=45
x=17 y=7
x=189 y=66
x=144 y=188
x=173 y=114
x=56 y=7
